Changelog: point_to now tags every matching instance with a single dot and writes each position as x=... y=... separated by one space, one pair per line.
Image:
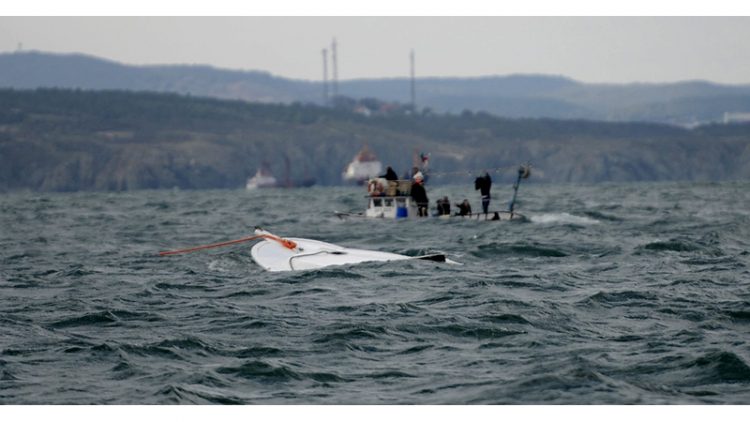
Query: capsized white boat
x=275 y=253
x=308 y=254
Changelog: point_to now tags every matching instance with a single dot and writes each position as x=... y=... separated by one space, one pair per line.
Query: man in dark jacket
x=464 y=208
x=483 y=185
x=445 y=207
x=420 y=197
x=390 y=174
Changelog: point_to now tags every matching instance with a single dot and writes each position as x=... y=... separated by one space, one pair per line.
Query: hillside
x=518 y=96
x=64 y=140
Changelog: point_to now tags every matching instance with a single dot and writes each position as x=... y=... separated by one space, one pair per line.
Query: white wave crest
x=562 y=218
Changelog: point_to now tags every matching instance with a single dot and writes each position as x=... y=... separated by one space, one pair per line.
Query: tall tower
x=413 y=88
x=334 y=62
x=325 y=76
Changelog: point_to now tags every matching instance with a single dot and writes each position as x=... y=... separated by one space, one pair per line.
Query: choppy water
x=636 y=293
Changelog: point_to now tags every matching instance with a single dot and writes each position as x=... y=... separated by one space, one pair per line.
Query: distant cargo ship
x=364 y=166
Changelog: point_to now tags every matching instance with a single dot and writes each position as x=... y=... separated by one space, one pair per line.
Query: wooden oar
x=284 y=242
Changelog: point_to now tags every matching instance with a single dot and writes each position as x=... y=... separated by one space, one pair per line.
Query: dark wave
x=390 y=374
x=352 y=333
x=499 y=249
x=177 y=394
x=505 y=319
x=124 y=370
x=673 y=245
x=264 y=372
x=105 y=318
x=623 y=297
x=181 y=286
x=720 y=367
x=596 y=215
x=333 y=273
x=260 y=371
x=186 y=343
x=75 y=271
x=732 y=263
x=474 y=332
x=707 y=245
x=257 y=352
x=739 y=316
x=153 y=350
x=416 y=349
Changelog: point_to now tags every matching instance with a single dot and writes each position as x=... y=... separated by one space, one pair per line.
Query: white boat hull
x=313 y=254
x=261 y=182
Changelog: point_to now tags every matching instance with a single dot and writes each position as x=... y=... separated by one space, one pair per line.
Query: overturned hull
x=313 y=254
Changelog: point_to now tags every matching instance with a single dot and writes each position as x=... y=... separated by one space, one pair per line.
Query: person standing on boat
x=419 y=195
x=483 y=185
x=390 y=174
x=415 y=172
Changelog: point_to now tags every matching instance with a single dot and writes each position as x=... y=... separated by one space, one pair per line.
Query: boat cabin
x=390 y=199
x=391 y=207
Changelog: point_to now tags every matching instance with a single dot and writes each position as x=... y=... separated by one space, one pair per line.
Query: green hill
x=684 y=103
x=66 y=140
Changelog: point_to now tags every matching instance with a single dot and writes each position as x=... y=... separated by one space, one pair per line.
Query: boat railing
x=388 y=188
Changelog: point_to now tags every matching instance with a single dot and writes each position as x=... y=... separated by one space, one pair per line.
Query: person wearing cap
x=419 y=195
x=417 y=173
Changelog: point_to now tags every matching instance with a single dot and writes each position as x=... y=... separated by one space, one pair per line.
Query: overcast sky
x=588 y=49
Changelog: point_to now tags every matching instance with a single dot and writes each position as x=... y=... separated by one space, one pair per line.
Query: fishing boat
x=364 y=166
x=393 y=200
x=263 y=178
x=275 y=253
x=390 y=199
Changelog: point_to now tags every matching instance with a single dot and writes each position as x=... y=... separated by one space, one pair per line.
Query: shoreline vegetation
x=81 y=140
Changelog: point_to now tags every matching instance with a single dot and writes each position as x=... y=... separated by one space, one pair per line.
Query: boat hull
x=313 y=254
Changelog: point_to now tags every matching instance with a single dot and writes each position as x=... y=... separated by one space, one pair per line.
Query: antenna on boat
x=523 y=173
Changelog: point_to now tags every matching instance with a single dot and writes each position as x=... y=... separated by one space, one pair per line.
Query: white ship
x=364 y=167
x=263 y=178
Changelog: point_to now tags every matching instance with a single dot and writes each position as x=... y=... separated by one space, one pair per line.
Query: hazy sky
x=589 y=49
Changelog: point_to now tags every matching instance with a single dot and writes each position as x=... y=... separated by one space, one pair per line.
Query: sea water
x=608 y=294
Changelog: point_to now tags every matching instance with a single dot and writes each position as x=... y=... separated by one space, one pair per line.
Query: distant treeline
x=686 y=103
x=67 y=140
